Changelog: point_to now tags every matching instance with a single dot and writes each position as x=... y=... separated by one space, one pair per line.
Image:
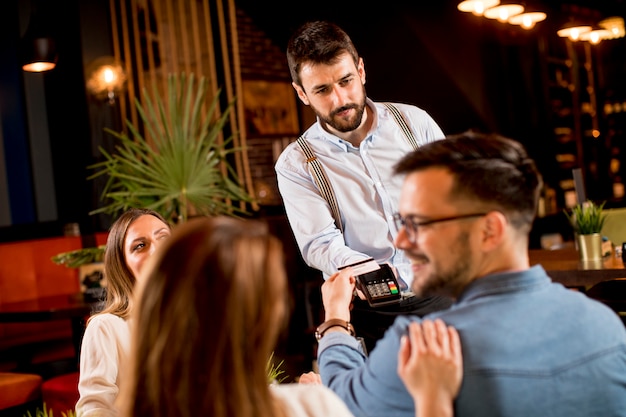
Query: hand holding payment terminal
x=376 y=281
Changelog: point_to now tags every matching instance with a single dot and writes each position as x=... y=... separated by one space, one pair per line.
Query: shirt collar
x=505 y=282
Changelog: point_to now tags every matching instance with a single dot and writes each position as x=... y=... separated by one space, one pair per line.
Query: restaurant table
x=563 y=265
x=59 y=307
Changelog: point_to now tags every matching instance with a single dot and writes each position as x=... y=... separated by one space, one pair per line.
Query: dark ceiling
x=269 y=15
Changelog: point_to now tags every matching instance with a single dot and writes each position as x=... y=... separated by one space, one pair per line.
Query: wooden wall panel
x=154 y=38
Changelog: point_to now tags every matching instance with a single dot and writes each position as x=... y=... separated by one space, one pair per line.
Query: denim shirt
x=531 y=347
x=366 y=189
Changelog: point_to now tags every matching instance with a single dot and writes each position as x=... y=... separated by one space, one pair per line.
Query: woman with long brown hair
x=208 y=315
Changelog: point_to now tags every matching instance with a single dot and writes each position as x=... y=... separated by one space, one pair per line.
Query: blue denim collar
x=506 y=282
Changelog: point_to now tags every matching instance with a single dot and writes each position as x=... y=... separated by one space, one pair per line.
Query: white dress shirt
x=366 y=190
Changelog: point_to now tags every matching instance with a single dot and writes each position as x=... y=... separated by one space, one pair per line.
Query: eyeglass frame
x=412 y=231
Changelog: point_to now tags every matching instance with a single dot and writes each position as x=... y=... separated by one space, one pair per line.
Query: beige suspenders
x=408 y=134
x=319 y=176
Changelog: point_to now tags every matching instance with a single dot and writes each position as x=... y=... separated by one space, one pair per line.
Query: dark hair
x=488 y=168
x=318 y=42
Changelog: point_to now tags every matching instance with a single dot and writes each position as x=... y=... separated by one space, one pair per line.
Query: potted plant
x=275 y=375
x=79 y=257
x=587 y=219
x=48 y=413
x=90 y=269
x=177 y=161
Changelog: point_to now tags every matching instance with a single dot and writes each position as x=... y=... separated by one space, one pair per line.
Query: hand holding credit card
x=376 y=281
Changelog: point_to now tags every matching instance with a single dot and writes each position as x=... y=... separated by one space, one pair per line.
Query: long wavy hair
x=208 y=316
x=120 y=281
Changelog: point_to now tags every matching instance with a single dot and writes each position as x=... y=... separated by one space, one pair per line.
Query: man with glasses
x=530 y=346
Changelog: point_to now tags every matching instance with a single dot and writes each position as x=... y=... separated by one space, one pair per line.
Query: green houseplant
x=48 y=413
x=180 y=166
x=275 y=375
x=88 y=261
x=587 y=219
x=78 y=257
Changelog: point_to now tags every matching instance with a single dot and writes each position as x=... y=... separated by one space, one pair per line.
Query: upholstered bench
x=19 y=389
x=60 y=393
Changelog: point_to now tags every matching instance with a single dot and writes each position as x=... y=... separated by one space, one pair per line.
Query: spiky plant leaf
x=78 y=257
x=45 y=412
x=587 y=218
x=186 y=169
x=275 y=375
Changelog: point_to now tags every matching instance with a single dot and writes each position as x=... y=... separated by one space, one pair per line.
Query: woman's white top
x=310 y=400
x=105 y=345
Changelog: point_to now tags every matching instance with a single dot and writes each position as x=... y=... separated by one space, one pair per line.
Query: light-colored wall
x=615 y=225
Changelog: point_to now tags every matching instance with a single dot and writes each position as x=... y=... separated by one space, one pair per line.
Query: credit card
x=363 y=267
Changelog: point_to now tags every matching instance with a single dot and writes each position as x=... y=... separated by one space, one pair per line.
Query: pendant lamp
x=615 y=25
x=528 y=19
x=477 y=7
x=573 y=30
x=595 y=35
x=504 y=11
x=38 y=47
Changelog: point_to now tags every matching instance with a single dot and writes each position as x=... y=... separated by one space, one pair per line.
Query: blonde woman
x=133 y=238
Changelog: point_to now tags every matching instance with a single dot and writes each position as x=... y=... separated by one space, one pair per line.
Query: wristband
x=319 y=332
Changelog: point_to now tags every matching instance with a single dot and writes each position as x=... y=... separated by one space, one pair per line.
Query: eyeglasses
x=411 y=226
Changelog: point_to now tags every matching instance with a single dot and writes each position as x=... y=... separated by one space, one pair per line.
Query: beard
x=342 y=124
x=449 y=281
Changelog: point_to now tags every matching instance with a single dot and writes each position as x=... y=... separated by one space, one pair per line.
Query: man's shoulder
x=403 y=107
x=291 y=156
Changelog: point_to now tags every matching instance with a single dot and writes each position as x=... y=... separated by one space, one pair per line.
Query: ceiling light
x=595 y=36
x=38 y=48
x=40 y=55
x=615 y=25
x=503 y=12
x=527 y=20
x=573 y=30
x=477 y=7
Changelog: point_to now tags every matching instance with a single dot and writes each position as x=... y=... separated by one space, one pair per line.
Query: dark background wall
x=466 y=71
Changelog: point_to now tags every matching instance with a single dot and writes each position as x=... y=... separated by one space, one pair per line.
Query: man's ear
x=301 y=94
x=361 y=70
x=494 y=227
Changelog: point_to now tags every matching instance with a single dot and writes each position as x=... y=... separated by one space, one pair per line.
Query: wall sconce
x=106 y=79
x=38 y=48
x=477 y=7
